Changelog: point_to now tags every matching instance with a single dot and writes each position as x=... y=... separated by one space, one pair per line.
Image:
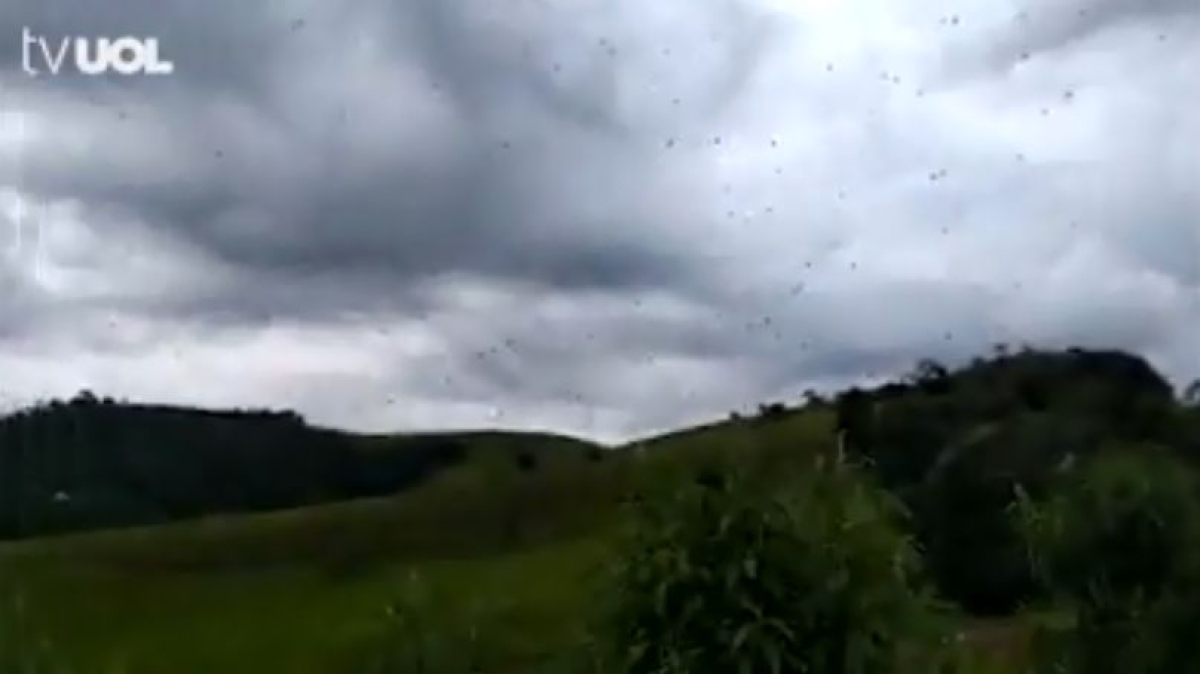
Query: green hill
x=508 y=536
x=511 y=534
x=90 y=464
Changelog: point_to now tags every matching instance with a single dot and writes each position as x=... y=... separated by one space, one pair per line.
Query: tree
x=1191 y=394
x=526 y=461
x=771 y=410
x=85 y=397
x=928 y=371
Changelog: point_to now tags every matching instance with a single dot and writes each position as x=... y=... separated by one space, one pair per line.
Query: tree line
x=90 y=463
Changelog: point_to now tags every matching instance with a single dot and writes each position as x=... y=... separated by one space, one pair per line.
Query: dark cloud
x=378 y=165
x=598 y=216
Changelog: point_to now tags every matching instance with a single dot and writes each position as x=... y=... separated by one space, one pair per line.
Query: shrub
x=721 y=577
x=1124 y=525
x=1119 y=542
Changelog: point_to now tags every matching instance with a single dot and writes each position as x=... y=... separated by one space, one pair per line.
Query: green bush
x=721 y=577
x=1124 y=525
x=1118 y=541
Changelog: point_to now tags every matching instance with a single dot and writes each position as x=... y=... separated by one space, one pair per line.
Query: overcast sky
x=604 y=217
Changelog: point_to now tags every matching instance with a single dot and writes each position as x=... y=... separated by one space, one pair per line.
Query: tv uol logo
x=92 y=55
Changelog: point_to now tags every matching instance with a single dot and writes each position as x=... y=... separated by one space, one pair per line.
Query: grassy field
x=295 y=618
x=512 y=554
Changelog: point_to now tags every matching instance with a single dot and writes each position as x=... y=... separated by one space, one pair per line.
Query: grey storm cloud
x=444 y=153
x=601 y=216
x=1048 y=26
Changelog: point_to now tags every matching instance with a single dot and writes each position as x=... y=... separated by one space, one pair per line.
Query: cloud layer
x=600 y=217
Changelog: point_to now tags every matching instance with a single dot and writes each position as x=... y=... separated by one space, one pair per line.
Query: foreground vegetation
x=1039 y=506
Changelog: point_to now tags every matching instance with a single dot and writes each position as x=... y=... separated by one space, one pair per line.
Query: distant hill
x=1080 y=399
x=956 y=445
x=89 y=463
x=513 y=527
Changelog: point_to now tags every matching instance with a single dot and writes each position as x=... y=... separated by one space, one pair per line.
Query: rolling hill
x=507 y=532
x=88 y=464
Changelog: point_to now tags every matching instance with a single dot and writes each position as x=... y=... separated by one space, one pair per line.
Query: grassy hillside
x=510 y=545
x=508 y=540
x=90 y=464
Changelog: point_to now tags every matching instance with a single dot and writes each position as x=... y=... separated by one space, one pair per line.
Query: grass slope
x=304 y=590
